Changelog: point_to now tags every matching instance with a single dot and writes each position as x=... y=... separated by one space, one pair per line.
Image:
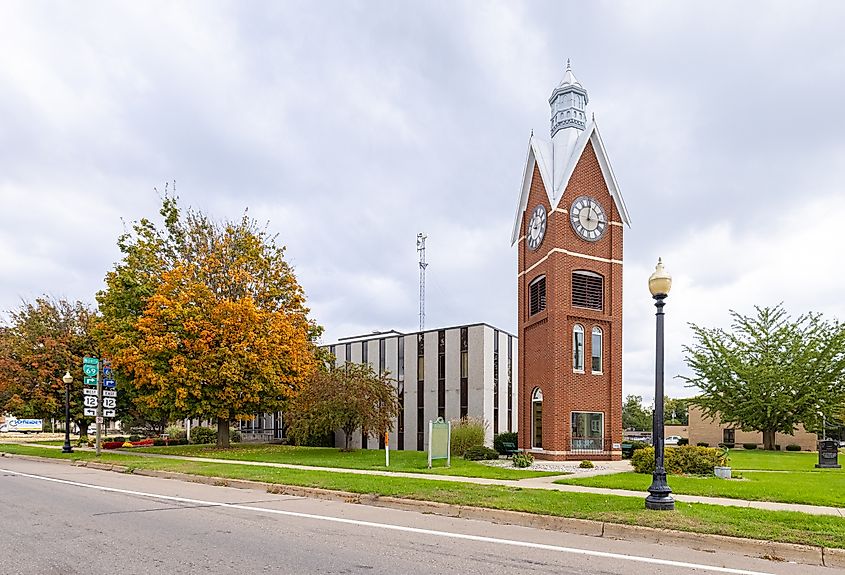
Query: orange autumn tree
x=226 y=332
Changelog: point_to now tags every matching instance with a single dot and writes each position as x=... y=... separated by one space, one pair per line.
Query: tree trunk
x=769 y=440
x=223 y=432
x=347 y=437
x=83 y=429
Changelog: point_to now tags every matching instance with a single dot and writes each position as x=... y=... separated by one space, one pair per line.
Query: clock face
x=588 y=218
x=536 y=228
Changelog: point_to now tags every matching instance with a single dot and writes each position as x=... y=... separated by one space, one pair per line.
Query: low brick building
x=713 y=432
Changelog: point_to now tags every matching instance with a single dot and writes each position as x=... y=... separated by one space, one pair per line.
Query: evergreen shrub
x=505 y=437
x=680 y=460
x=200 y=435
x=793 y=447
x=749 y=446
x=479 y=453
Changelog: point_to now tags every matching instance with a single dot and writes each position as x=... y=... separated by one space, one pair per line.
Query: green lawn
x=776 y=460
x=819 y=488
x=733 y=521
x=407 y=461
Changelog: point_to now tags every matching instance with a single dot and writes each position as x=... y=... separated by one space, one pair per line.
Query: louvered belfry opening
x=537 y=295
x=587 y=290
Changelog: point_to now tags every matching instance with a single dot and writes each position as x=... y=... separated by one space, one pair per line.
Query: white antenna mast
x=421 y=249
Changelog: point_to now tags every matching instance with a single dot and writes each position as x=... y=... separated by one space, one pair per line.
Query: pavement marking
x=388 y=526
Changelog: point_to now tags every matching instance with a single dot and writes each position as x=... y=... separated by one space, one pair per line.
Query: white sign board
x=89 y=411
x=109 y=402
x=109 y=393
x=90 y=401
x=108 y=413
x=89 y=391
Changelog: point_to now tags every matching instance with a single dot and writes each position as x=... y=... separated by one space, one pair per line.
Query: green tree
x=45 y=339
x=769 y=373
x=347 y=397
x=634 y=415
x=207 y=319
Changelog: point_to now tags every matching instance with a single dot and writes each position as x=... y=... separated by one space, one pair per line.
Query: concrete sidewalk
x=530 y=483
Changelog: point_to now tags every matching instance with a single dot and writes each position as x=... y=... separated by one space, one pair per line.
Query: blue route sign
x=108 y=383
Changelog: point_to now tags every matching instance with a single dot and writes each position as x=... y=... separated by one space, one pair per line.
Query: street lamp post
x=68 y=379
x=659 y=494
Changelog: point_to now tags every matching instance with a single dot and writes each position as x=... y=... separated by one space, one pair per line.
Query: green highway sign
x=89 y=381
x=90 y=370
x=90 y=361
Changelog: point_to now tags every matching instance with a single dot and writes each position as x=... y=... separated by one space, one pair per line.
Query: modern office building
x=453 y=372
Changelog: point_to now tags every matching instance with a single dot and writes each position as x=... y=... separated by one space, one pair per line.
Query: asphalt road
x=68 y=520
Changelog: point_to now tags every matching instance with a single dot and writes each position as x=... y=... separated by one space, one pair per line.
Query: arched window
x=537 y=295
x=578 y=347
x=537 y=418
x=587 y=290
x=596 y=350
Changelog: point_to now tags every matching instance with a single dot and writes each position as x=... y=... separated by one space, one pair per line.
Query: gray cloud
x=352 y=126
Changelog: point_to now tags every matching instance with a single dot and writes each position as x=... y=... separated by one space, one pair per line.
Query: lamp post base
x=659 y=493
x=66 y=448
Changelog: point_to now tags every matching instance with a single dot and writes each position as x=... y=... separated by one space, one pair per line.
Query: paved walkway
x=546 y=482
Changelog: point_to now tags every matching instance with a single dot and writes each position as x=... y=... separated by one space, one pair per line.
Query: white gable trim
x=536 y=156
x=539 y=153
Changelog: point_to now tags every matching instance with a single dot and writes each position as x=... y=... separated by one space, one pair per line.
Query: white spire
x=568 y=102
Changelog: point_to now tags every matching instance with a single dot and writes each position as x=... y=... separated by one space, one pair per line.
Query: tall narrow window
x=587 y=290
x=348 y=352
x=400 y=383
x=578 y=347
x=364 y=350
x=441 y=374
x=495 y=381
x=510 y=383
x=464 y=372
x=596 y=350
x=382 y=359
x=537 y=418
x=420 y=392
x=537 y=295
x=332 y=351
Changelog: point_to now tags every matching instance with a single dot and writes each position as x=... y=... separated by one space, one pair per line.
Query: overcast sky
x=352 y=126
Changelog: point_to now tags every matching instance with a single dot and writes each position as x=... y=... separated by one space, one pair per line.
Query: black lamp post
x=659 y=493
x=68 y=379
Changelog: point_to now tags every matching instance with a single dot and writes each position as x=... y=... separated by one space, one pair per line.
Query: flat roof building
x=453 y=372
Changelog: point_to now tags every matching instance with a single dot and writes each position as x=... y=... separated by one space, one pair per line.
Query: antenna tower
x=421 y=249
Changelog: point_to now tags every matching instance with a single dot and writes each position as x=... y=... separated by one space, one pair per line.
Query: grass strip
x=810 y=488
x=784 y=526
x=400 y=461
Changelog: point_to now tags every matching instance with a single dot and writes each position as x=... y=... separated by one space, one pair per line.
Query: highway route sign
x=90 y=401
x=89 y=391
x=108 y=413
x=109 y=393
x=89 y=411
x=109 y=402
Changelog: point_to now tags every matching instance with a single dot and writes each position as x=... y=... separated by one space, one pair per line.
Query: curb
x=771 y=550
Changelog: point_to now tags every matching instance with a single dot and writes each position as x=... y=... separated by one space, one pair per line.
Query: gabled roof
x=556 y=165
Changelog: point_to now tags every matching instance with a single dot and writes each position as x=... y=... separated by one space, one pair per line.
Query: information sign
x=108 y=383
x=89 y=391
x=90 y=401
x=90 y=370
x=108 y=413
x=109 y=402
x=439 y=440
x=99 y=419
x=90 y=361
x=109 y=393
x=89 y=411
x=90 y=380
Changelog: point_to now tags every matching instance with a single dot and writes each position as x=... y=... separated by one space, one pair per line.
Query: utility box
x=828 y=454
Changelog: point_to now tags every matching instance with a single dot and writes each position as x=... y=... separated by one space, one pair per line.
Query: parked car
x=3 y=428
x=672 y=440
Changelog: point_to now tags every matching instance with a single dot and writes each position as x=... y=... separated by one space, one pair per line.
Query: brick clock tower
x=568 y=230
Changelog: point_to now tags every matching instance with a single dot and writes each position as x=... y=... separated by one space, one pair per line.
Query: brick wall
x=711 y=431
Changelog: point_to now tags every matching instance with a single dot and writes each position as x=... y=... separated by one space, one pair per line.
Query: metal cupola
x=568 y=102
